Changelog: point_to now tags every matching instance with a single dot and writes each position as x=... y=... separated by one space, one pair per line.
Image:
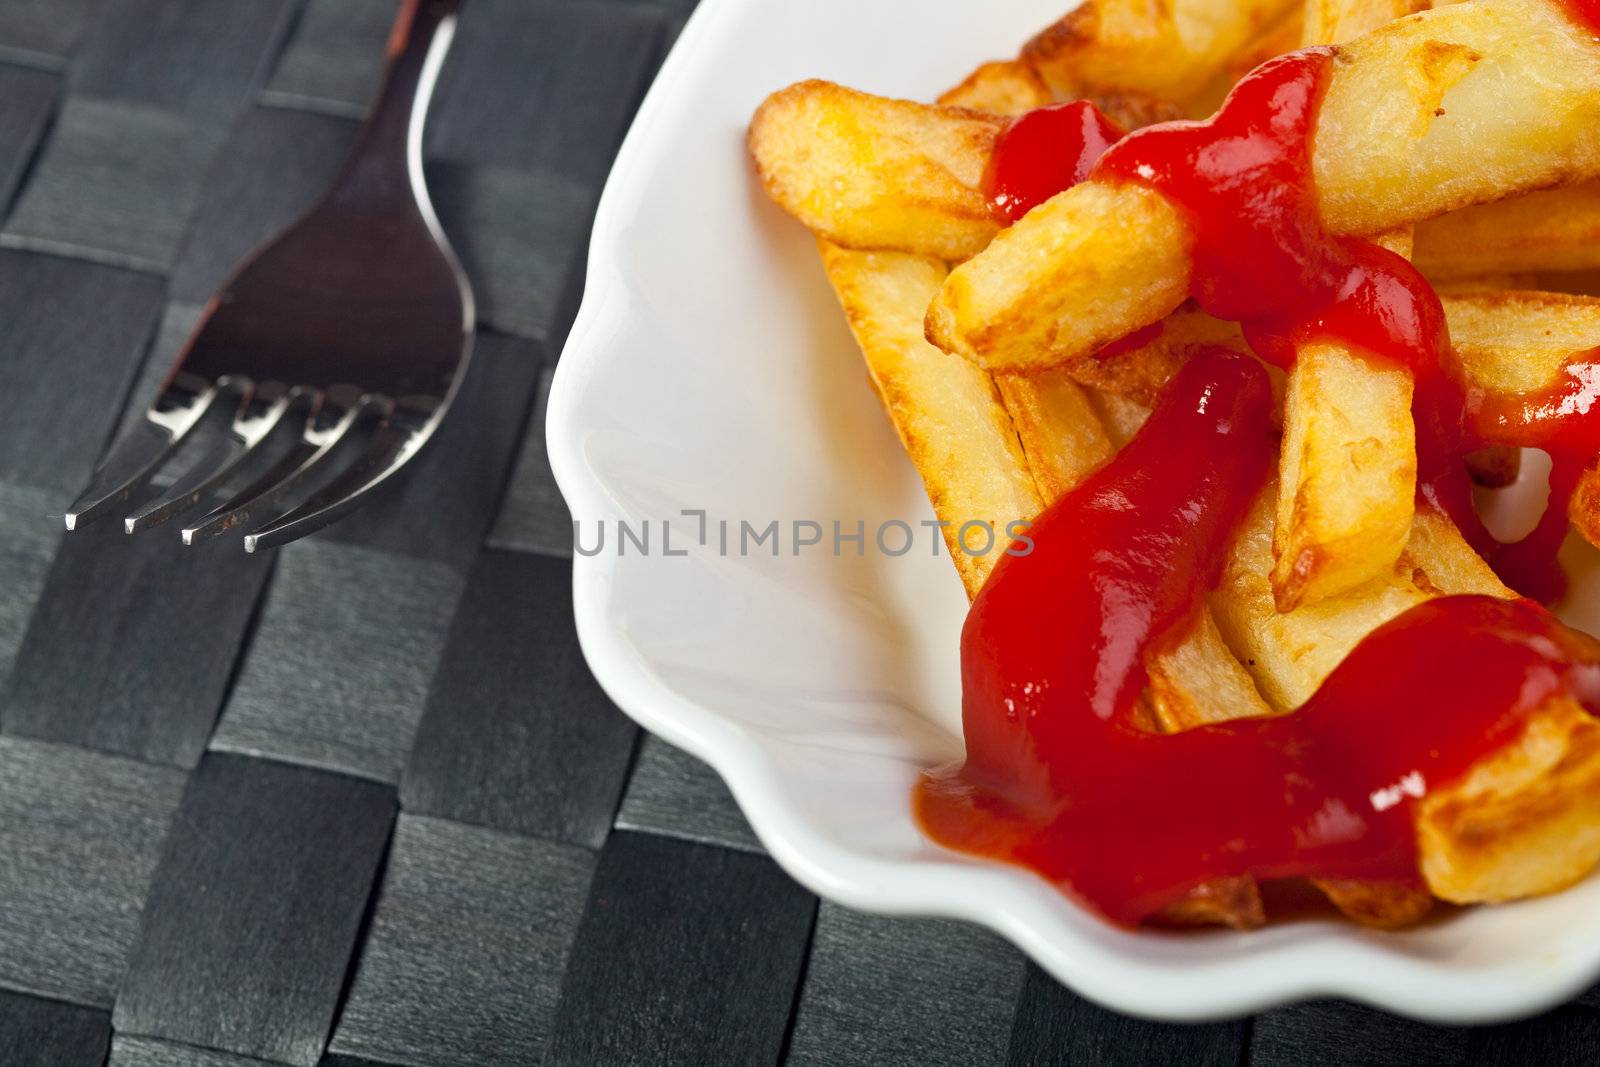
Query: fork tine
x=391 y=446
x=139 y=455
x=308 y=454
x=249 y=430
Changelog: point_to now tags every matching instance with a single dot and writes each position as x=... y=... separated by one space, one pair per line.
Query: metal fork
x=356 y=321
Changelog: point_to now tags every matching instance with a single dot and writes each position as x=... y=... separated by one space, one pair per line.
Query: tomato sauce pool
x=1058 y=777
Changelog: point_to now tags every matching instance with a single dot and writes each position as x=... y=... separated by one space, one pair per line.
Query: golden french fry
x=1062 y=436
x=1520 y=342
x=1086 y=268
x=1290 y=653
x=1514 y=81
x=1383 y=905
x=1549 y=230
x=1201 y=681
x=1007 y=87
x=1274 y=40
x=1334 y=21
x=1141 y=372
x=1348 y=466
x=1348 y=469
x=1122 y=415
x=1170 y=48
x=1524 y=821
x=1498 y=99
x=867 y=172
x=1583 y=509
x=948 y=414
x=1012 y=87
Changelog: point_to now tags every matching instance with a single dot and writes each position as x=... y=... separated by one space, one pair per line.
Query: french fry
x=1201 y=681
x=1007 y=87
x=1548 y=230
x=1170 y=49
x=1086 y=268
x=1290 y=653
x=1348 y=466
x=1524 y=821
x=1335 y=21
x=1095 y=263
x=1062 y=436
x=870 y=173
x=1517 y=342
x=1140 y=373
x=1277 y=38
x=1520 y=342
x=1012 y=87
x=1122 y=415
x=948 y=415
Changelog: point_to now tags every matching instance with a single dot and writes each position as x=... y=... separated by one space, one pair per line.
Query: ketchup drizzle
x=1058 y=776
x=1043 y=152
x=1263 y=257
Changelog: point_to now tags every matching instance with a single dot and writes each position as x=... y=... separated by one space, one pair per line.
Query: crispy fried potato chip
x=1518 y=341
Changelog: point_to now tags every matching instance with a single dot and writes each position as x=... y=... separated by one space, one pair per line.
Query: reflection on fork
x=329 y=357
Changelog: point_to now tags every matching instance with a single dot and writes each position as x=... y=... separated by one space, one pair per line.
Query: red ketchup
x=1264 y=258
x=1043 y=152
x=1563 y=421
x=1585 y=13
x=1059 y=777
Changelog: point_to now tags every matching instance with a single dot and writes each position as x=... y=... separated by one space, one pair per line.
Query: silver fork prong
x=251 y=426
x=138 y=456
x=316 y=444
x=391 y=446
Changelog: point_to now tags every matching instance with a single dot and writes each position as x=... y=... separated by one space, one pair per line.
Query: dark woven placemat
x=361 y=802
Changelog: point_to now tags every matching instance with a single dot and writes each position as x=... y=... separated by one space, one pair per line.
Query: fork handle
x=386 y=162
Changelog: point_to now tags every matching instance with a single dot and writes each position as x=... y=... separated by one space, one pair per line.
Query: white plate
x=710 y=369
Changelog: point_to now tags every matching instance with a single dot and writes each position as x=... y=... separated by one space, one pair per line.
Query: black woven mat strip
x=361 y=802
